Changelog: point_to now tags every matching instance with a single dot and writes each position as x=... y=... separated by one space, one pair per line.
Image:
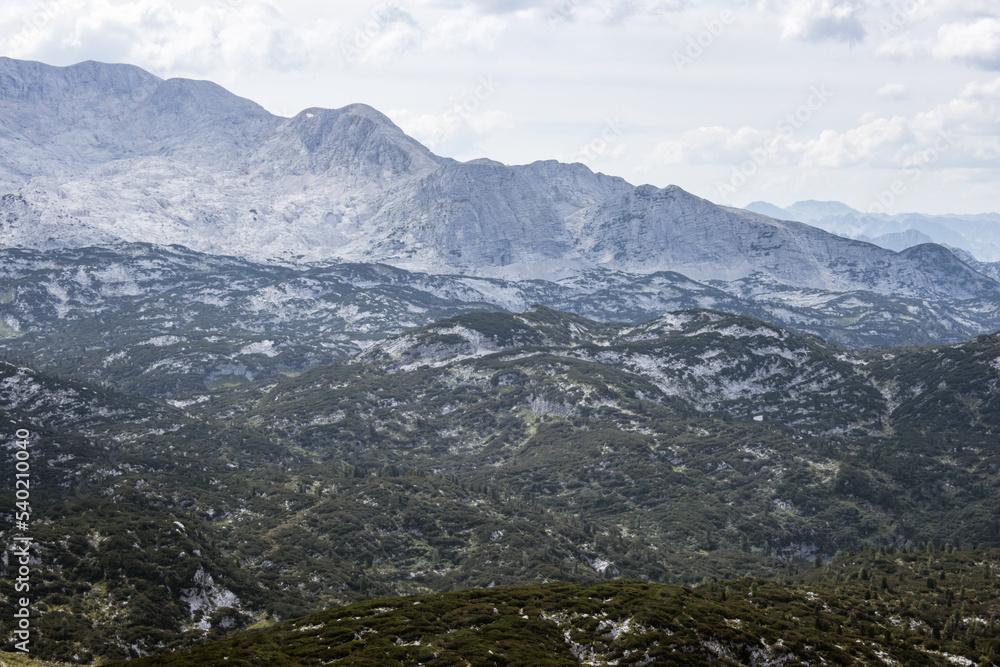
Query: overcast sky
x=881 y=105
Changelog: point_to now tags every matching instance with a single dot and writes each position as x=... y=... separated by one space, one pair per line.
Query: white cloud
x=226 y=36
x=607 y=12
x=432 y=130
x=880 y=142
x=948 y=9
x=976 y=43
x=487 y=6
x=896 y=91
x=466 y=30
x=902 y=47
x=617 y=12
x=710 y=145
x=967 y=129
x=979 y=91
x=231 y=35
x=825 y=20
x=599 y=9
x=383 y=35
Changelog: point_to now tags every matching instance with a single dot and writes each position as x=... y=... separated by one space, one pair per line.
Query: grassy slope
x=20 y=660
x=916 y=607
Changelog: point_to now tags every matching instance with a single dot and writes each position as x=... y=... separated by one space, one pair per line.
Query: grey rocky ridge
x=97 y=154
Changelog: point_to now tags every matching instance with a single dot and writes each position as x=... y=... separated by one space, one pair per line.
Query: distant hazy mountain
x=899 y=241
x=978 y=235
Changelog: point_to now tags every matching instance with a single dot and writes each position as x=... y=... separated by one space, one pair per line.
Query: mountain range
x=283 y=366
x=494 y=449
x=978 y=236
x=104 y=155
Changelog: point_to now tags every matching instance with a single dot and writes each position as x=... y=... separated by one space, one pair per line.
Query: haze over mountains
x=977 y=235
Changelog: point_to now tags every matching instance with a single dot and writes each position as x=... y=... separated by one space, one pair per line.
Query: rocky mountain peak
x=356 y=144
x=73 y=88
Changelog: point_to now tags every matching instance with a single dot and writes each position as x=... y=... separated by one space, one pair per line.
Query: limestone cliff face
x=102 y=153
